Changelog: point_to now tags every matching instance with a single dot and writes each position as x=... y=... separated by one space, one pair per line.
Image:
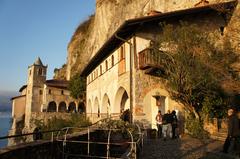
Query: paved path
x=184 y=148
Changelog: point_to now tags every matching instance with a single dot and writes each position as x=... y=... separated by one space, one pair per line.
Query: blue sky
x=32 y=28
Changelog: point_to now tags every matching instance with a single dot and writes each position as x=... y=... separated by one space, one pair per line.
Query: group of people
x=167 y=124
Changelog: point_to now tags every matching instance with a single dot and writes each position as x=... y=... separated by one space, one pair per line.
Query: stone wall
x=214 y=125
x=35 y=118
x=36 y=150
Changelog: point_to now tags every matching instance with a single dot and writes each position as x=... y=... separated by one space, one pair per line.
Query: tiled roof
x=17 y=97
x=57 y=83
x=22 y=88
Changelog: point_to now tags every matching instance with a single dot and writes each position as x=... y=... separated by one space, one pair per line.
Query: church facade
x=42 y=96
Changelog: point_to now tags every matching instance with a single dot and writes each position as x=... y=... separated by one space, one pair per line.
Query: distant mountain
x=5 y=100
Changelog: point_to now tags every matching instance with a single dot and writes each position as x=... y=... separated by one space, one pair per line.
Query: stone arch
x=72 y=107
x=62 y=107
x=105 y=104
x=121 y=101
x=52 y=107
x=89 y=106
x=154 y=100
x=96 y=107
x=81 y=107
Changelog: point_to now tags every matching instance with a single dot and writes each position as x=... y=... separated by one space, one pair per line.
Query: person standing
x=166 y=125
x=159 y=123
x=233 y=130
x=174 y=124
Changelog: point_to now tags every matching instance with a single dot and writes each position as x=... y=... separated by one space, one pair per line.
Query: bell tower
x=35 y=83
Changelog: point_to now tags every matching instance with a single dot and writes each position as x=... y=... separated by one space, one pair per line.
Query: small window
x=40 y=92
x=49 y=91
x=121 y=53
x=62 y=92
x=222 y=30
x=106 y=62
x=112 y=60
x=40 y=71
x=30 y=72
x=100 y=69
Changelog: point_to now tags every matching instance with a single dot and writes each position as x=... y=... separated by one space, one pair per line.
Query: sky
x=32 y=28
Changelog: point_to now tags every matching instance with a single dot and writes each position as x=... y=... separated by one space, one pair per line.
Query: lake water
x=5 y=124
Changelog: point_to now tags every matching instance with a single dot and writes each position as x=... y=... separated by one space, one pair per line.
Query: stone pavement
x=183 y=148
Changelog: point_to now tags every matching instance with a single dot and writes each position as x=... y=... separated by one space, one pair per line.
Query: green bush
x=76 y=120
x=195 y=128
x=121 y=127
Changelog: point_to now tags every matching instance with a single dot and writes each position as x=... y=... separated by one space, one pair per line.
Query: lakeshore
x=5 y=125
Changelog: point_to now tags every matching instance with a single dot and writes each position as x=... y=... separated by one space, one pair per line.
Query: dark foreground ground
x=183 y=148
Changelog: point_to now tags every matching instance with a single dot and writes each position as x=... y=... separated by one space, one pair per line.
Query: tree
x=194 y=67
x=77 y=86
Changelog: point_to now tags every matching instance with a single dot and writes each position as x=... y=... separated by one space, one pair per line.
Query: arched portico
x=81 y=107
x=89 y=107
x=52 y=107
x=72 y=107
x=121 y=101
x=105 y=105
x=62 y=107
x=96 y=107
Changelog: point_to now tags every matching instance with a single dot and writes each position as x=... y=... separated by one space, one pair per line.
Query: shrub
x=120 y=126
x=75 y=120
x=195 y=128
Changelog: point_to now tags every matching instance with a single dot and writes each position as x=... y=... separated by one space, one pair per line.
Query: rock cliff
x=110 y=14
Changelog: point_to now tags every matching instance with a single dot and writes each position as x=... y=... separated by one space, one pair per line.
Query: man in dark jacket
x=233 y=129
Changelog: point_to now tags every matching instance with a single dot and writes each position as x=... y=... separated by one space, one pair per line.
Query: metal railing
x=64 y=135
x=132 y=149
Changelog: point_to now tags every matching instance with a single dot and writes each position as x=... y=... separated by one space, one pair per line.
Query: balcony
x=149 y=59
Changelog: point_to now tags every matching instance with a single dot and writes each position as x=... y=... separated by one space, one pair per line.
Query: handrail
x=48 y=131
x=63 y=137
x=20 y=135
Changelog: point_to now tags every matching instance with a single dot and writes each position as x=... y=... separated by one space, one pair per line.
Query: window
x=30 y=72
x=121 y=53
x=106 y=62
x=40 y=92
x=40 y=71
x=112 y=60
x=222 y=30
x=49 y=91
x=62 y=92
x=100 y=69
